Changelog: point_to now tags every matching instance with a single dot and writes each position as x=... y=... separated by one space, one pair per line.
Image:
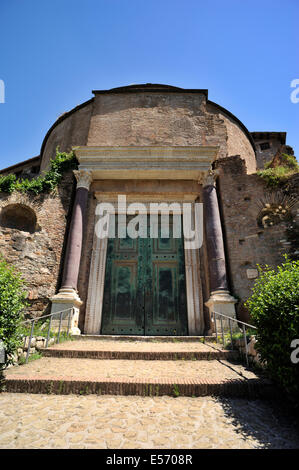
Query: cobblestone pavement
x=46 y=421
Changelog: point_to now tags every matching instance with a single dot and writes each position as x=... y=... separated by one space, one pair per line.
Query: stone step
x=135 y=350
x=127 y=377
x=140 y=355
x=148 y=339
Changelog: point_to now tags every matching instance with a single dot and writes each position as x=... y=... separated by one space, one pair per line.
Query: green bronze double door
x=145 y=288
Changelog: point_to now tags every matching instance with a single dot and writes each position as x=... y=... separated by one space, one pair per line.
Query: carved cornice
x=151 y=162
x=146 y=197
x=84 y=178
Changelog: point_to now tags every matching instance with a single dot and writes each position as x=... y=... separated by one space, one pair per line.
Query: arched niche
x=18 y=216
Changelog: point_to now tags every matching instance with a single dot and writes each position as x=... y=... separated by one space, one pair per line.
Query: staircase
x=145 y=366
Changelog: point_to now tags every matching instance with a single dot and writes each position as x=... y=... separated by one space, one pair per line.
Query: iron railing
x=221 y=317
x=228 y=320
x=33 y=322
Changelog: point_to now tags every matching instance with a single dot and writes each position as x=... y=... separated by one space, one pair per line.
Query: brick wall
x=37 y=255
x=264 y=156
x=71 y=131
x=241 y=197
x=168 y=119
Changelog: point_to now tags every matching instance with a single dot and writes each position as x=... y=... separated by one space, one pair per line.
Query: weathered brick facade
x=247 y=244
x=148 y=116
x=38 y=255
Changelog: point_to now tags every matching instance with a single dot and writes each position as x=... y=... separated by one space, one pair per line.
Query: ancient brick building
x=152 y=144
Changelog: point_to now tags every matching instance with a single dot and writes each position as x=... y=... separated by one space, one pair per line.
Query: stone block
x=40 y=344
x=32 y=343
x=252 y=273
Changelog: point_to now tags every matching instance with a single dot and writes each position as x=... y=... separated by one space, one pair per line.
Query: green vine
x=44 y=183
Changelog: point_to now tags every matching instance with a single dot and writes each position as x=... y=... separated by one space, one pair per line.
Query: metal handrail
x=236 y=320
x=51 y=315
x=44 y=316
x=230 y=319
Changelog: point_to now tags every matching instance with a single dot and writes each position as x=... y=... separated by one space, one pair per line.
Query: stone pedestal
x=66 y=301
x=222 y=302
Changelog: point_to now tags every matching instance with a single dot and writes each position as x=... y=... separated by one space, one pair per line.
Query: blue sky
x=53 y=53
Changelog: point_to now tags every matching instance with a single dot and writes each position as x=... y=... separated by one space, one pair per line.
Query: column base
x=222 y=302
x=66 y=299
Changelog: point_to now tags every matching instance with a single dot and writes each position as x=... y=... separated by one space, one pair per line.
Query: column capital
x=208 y=178
x=84 y=178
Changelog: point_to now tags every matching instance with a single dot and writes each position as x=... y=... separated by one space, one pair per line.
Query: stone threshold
x=140 y=355
x=246 y=388
x=173 y=339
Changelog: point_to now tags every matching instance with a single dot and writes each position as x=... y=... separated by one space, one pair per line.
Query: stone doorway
x=97 y=278
x=145 y=286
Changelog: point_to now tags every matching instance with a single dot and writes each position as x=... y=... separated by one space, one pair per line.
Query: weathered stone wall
x=146 y=118
x=241 y=197
x=224 y=131
x=71 y=131
x=27 y=169
x=37 y=254
x=264 y=156
x=238 y=144
x=166 y=119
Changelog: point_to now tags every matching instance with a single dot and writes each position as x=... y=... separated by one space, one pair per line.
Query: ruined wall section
x=248 y=243
x=265 y=156
x=37 y=253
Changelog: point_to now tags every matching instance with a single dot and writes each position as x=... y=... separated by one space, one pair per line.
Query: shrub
x=276 y=175
x=274 y=309
x=43 y=183
x=7 y=183
x=12 y=303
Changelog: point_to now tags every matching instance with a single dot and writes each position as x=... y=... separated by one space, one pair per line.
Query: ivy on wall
x=44 y=183
x=276 y=173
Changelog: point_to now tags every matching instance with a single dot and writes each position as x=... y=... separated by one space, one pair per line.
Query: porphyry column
x=220 y=299
x=67 y=296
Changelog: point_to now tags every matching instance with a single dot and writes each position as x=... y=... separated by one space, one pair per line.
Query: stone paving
x=127 y=369
x=48 y=421
x=159 y=346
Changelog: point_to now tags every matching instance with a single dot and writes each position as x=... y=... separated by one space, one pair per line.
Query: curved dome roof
x=68 y=133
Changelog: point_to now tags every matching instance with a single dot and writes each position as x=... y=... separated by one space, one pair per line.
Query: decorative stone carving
x=93 y=318
x=84 y=178
x=149 y=162
x=275 y=207
x=208 y=178
x=194 y=293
